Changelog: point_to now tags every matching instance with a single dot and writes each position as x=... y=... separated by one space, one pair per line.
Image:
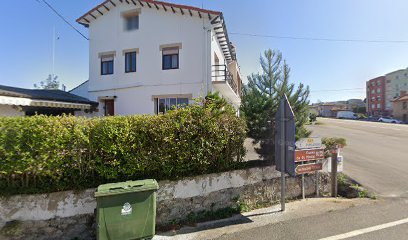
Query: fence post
x=334 y=173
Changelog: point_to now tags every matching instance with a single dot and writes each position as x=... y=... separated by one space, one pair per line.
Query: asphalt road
x=375 y=221
x=376 y=155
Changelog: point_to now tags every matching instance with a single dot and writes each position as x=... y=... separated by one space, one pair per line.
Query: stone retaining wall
x=52 y=216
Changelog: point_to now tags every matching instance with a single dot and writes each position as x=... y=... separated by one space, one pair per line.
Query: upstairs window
x=130 y=62
x=107 y=65
x=170 y=58
x=405 y=105
x=132 y=22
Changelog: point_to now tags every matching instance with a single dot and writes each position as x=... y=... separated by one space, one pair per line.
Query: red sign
x=308 y=168
x=309 y=155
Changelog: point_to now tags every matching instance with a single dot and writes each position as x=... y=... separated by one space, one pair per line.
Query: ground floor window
x=162 y=105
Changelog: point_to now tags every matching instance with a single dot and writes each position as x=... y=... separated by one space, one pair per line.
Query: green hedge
x=45 y=154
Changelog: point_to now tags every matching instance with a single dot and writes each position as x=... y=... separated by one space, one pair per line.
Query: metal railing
x=221 y=73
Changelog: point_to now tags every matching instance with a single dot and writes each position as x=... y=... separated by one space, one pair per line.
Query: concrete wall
x=10 y=111
x=81 y=90
x=58 y=213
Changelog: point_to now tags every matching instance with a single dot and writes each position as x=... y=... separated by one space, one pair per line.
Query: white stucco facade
x=134 y=93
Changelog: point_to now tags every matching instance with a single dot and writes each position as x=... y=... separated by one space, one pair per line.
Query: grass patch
x=349 y=188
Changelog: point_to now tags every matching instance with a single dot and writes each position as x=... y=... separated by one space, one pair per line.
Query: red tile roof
x=160 y=3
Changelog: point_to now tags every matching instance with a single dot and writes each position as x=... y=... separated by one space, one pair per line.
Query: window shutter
x=107 y=58
x=170 y=51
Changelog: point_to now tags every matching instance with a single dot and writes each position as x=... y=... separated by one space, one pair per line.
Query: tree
x=261 y=97
x=51 y=83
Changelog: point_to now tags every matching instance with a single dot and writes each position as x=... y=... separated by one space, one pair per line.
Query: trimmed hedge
x=45 y=154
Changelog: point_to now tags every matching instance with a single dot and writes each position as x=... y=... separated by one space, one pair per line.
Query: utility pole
x=53 y=53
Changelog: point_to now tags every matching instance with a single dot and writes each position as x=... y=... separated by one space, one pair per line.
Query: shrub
x=44 y=154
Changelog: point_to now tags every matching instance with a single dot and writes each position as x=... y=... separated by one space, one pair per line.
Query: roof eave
x=83 y=21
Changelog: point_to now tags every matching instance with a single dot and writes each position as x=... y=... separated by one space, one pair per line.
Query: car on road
x=346 y=115
x=389 y=120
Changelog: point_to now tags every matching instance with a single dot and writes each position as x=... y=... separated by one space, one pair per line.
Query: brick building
x=376 y=97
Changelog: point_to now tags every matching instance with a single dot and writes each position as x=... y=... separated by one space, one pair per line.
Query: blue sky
x=26 y=40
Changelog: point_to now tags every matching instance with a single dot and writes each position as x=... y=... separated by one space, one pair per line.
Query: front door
x=109 y=107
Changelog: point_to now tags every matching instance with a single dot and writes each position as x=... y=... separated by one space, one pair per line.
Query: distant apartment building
x=396 y=82
x=376 y=96
x=400 y=107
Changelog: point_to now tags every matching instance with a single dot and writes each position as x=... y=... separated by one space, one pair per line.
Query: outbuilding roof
x=216 y=18
x=43 y=94
x=401 y=99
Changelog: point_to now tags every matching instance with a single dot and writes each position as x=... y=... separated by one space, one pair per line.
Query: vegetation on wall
x=261 y=97
x=45 y=154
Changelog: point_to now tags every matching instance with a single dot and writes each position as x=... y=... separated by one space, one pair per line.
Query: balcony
x=225 y=83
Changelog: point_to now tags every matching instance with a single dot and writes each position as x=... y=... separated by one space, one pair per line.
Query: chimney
x=403 y=93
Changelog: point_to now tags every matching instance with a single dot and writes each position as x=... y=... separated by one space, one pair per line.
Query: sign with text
x=306 y=143
x=309 y=155
x=309 y=168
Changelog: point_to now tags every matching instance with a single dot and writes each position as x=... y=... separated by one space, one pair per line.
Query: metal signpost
x=285 y=144
x=308 y=150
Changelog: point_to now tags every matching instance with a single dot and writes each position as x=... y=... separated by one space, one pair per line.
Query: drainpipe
x=207 y=61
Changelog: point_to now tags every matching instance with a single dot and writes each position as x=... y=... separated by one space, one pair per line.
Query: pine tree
x=261 y=97
x=51 y=83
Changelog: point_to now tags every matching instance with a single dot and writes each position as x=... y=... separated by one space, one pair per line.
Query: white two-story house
x=147 y=56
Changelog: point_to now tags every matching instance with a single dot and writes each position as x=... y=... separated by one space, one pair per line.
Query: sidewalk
x=262 y=217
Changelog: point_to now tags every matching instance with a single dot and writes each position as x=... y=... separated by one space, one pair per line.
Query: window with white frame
x=378 y=90
x=379 y=105
x=162 y=105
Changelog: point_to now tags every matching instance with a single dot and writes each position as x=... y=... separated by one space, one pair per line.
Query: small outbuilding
x=28 y=102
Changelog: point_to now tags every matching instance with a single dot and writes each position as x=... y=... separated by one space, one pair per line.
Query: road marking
x=366 y=230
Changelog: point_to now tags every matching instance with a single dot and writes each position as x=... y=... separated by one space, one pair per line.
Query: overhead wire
x=320 y=39
x=63 y=18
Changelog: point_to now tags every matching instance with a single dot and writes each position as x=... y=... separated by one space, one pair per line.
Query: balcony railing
x=221 y=73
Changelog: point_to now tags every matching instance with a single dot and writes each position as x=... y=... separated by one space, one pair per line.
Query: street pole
x=317 y=184
x=303 y=186
x=334 y=173
x=282 y=157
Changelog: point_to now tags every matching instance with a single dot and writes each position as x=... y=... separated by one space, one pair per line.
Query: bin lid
x=126 y=187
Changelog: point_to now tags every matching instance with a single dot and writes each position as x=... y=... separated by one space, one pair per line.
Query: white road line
x=366 y=230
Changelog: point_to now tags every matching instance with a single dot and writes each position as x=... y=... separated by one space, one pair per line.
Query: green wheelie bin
x=126 y=210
